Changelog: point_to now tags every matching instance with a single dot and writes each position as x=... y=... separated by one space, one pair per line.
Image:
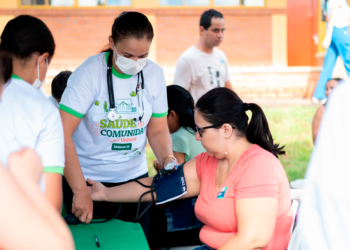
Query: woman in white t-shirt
x=28 y=118
x=107 y=123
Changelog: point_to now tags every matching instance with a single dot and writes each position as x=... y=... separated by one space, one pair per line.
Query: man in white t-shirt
x=203 y=67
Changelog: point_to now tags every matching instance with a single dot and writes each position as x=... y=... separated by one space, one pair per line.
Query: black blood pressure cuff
x=171 y=186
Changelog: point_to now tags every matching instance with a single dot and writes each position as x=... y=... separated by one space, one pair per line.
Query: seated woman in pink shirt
x=244 y=196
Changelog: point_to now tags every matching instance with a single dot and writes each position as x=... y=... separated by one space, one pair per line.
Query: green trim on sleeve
x=116 y=73
x=16 y=77
x=70 y=111
x=160 y=115
x=54 y=170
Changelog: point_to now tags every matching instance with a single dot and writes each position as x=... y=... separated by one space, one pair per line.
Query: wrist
x=105 y=194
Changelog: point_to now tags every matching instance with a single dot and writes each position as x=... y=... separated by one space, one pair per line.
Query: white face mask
x=37 y=83
x=129 y=66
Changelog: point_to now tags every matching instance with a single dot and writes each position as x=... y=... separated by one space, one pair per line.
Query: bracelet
x=166 y=157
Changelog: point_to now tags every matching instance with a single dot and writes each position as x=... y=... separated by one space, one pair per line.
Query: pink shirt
x=257 y=173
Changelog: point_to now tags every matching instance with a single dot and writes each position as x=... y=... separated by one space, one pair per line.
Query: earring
x=225 y=153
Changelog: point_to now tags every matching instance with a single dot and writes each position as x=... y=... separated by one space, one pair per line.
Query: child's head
x=331 y=84
x=59 y=84
x=5 y=68
x=181 y=106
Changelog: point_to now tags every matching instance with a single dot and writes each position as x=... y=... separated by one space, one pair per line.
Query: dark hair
x=131 y=24
x=221 y=105
x=338 y=79
x=5 y=66
x=59 y=84
x=206 y=17
x=181 y=102
x=25 y=35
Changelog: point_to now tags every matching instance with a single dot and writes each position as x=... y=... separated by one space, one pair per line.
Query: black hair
x=5 y=66
x=59 y=84
x=222 y=105
x=206 y=17
x=131 y=24
x=181 y=102
x=338 y=79
x=25 y=35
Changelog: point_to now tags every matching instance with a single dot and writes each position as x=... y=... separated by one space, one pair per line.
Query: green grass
x=290 y=126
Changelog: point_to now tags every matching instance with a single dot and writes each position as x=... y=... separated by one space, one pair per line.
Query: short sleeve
x=180 y=143
x=79 y=94
x=183 y=76
x=160 y=102
x=50 y=143
x=201 y=162
x=262 y=178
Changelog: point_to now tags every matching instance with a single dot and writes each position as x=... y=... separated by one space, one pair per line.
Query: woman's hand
x=97 y=191
x=82 y=206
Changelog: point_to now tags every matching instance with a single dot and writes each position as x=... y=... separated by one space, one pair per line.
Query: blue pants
x=340 y=46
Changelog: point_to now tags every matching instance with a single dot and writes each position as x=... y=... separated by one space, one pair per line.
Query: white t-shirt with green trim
x=29 y=119
x=112 y=151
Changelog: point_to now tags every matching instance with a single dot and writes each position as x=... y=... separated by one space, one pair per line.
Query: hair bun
x=245 y=106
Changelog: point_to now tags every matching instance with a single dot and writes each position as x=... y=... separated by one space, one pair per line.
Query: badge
x=221 y=194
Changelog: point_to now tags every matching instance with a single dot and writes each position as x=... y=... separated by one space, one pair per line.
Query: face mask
x=129 y=66
x=37 y=83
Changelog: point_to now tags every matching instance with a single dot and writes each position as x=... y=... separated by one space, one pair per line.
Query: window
x=213 y=3
x=76 y=3
x=249 y=3
x=184 y=2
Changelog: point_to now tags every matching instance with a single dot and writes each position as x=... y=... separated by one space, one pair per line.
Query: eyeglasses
x=200 y=129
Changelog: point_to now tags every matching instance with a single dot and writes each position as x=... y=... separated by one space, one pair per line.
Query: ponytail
x=5 y=66
x=258 y=131
x=221 y=105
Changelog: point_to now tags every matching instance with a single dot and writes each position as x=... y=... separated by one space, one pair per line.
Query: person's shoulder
x=190 y=53
x=182 y=134
x=31 y=99
x=91 y=64
x=152 y=68
x=219 y=52
x=259 y=157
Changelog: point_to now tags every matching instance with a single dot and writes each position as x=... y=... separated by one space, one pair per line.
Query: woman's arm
x=53 y=189
x=132 y=191
x=82 y=204
x=256 y=219
x=159 y=138
x=27 y=206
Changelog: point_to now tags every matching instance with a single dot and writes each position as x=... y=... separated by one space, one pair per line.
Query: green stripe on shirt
x=160 y=115
x=70 y=111
x=54 y=170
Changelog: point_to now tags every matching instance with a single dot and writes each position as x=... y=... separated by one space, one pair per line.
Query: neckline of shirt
x=116 y=73
x=16 y=77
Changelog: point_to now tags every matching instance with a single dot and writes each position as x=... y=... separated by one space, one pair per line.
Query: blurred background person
x=59 y=84
x=319 y=113
x=325 y=206
x=337 y=43
x=203 y=67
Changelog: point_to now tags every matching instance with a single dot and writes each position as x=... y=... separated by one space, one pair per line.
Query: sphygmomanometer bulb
x=71 y=219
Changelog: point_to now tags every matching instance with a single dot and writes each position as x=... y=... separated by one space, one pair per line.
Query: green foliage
x=291 y=127
x=105 y=107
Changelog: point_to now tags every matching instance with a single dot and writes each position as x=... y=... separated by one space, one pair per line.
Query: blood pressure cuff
x=171 y=187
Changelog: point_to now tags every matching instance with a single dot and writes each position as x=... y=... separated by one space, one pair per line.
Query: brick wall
x=80 y=33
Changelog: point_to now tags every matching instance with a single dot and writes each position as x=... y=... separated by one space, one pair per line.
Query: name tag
x=221 y=194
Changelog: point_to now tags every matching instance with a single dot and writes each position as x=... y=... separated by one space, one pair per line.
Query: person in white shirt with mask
x=337 y=43
x=113 y=103
x=28 y=118
x=203 y=67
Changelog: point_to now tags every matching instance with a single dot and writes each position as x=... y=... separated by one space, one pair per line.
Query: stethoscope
x=112 y=114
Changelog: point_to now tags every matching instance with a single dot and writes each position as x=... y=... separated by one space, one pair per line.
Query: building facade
x=270 y=44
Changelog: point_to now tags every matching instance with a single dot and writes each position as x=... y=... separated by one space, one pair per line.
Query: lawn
x=290 y=126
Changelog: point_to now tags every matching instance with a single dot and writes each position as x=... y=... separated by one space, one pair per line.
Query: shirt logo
x=97 y=103
x=221 y=194
x=222 y=60
x=125 y=106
